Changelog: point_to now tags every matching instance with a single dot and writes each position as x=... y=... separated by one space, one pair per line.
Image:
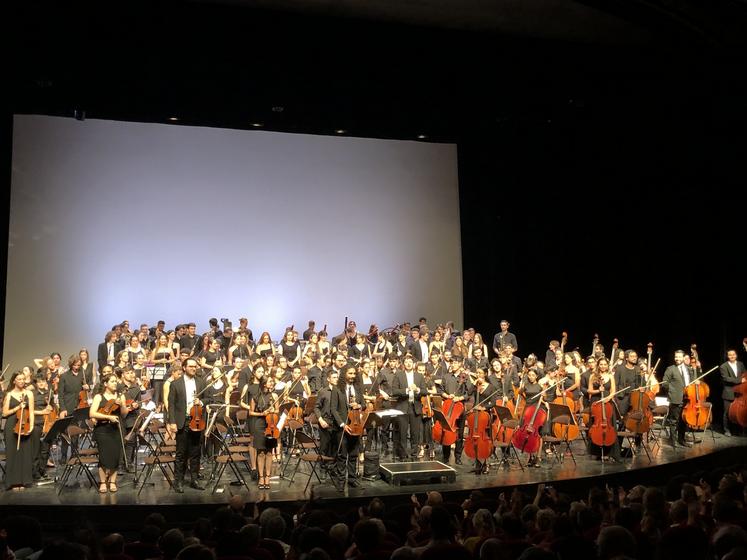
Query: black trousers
x=39 y=452
x=187 y=453
x=346 y=458
x=329 y=439
x=459 y=445
x=725 y=420
x=414 y=423
x=675 y=421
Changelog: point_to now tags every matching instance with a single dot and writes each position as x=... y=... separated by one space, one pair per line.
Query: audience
x=686 y=519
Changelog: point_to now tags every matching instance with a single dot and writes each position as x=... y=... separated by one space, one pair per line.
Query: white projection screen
x=139 y=221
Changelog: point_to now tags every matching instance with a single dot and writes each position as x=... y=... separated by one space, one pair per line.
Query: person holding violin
x=456 y=386
x=676 y=378
x=43 y=406
x=354 y=400
x=184 y=412
x=601 y=385
x=130 y=389
x=261 y=407
x=732 y=373
x=105 y=410
x=430 y=386
x=18 y=411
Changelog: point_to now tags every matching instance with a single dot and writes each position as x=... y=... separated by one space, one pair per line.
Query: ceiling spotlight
x=257 y=125
x=340 y=131
x=422 y=137
x=173 y=119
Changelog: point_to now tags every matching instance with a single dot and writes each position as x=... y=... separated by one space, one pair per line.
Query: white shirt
x=110 y=351
x=424 y=350
x=351 y=393
x=191 y=388
x=410 y=381
x=733 y=367
x=685 y=375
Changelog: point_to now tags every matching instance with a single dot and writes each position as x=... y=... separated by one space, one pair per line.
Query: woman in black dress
x=250 y=392
x=106 y=432
x=601 y=385
x=87 y=366
x=259 y=407
x=529 y=390
x=18 y=453
x=162 y=355
x=291 y=348
x=264 y=346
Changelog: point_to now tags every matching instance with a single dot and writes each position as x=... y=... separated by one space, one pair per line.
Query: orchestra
x=406 y=391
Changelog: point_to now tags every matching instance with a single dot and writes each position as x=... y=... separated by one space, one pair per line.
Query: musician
x=382 y=348
x=418 y=347
x=133 y=349
x=435 y=367
x=571 y=381
x=43 y=404
x=265 y=347
x=360 y=350
x=69 y=388
x=330 y=410
x=216 y=394
x=250 y=391
x=291 y=349
x=130 y=389
x=483 y=394
x=182 y=397
x=244 y=329
x=353 y=398
x=677 y=377
x=107 y=432
x=315 y=373
x=308 y=332
x=602 y=384
x=591 y=368
x=477 y=361
x=190 y=340
x=550 y=354
x=212 y=358
x=732 y=371
x=500 y=382
x=401 y=346
x=626 y=375
x=107 y=350
x=407 y=387
x=504 y=338
x=456 y=386
x=531 y=387
x=427 y=429
x=19 y=452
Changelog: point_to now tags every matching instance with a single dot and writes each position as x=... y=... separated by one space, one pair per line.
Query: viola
x=452 y=411
x=527 y=438
x=50 y=418
x=271 y=420
x=110 y=407
x=602 y=431
x=697 y=412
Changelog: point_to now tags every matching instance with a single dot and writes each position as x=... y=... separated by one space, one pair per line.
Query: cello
x=602 y=431
x=639 y=417
x=527 y=437
x=478 y=444
x=452 y=410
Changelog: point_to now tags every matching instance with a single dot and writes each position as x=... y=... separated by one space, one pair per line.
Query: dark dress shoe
x=684 y=443
x=178 y=488
x=458 y=461
x=194 y=484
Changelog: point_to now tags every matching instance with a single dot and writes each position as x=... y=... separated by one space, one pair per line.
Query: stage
x=78 y=501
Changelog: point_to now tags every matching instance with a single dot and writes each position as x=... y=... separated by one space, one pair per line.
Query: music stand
x=558 y=411
x=55 y=431
x=502 y=413
x=439 y=417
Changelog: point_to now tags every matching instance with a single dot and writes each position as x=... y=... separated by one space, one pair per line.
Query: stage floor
x=587 y=468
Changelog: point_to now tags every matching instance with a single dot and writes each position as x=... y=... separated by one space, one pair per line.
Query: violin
x=477 y=443
x=357 y=418
x=109 y=407
x=271 y=419
x=84 y=397
x=23 y=425
x=197 y=417
x=50 y=418
x=697 y=412
x=427 y=406
x=602 y=431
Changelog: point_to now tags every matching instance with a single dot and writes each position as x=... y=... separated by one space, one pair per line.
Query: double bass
x=738 y=408
x=697 y=412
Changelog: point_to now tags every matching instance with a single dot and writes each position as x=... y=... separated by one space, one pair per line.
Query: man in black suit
x=181 y=399
x=407 y=387
x=731 y=372
x=308 y=332
x=351 y=393
x=190 y=340
x=676 y=378
x=331 y=413
x=418 y=347
x=107 y=351
x=628 y=375
x=503 y=338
